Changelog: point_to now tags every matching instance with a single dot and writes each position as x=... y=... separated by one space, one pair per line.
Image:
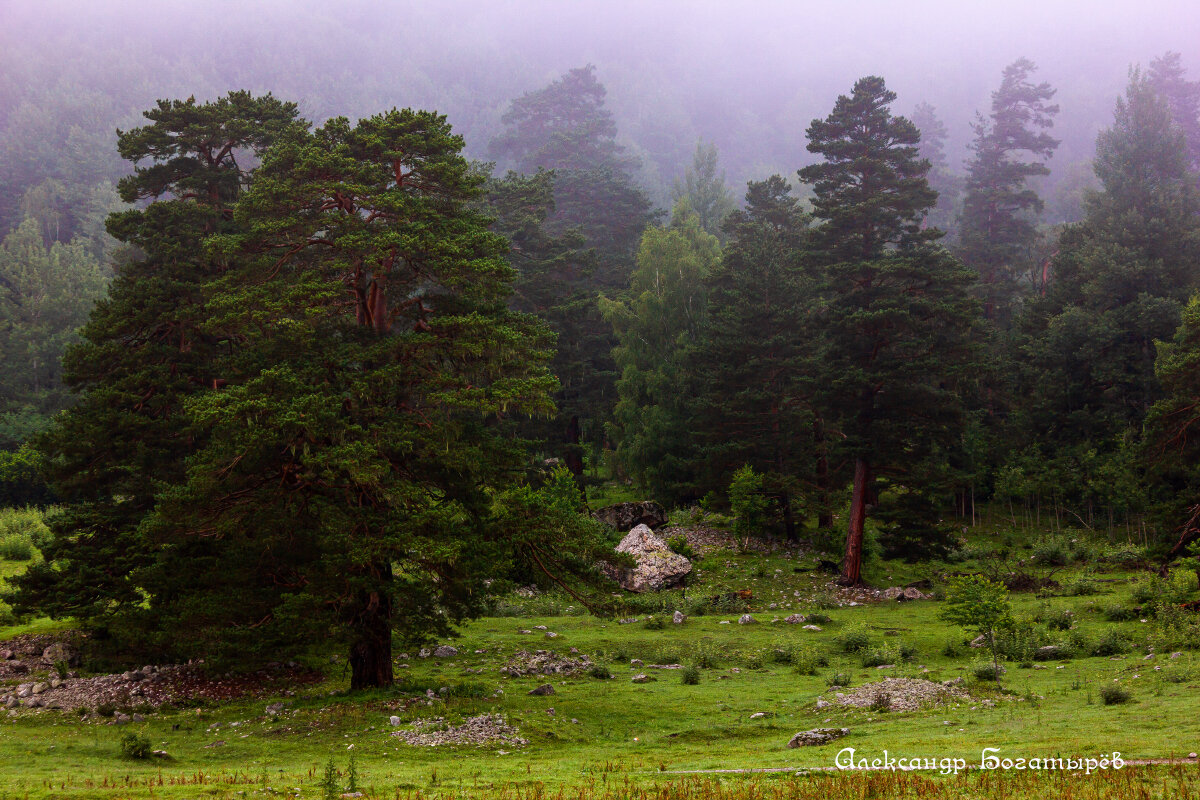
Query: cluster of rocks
x=898 y=694
x=903 y=593
x=817 y=736
x=441 y=651
x=657 y=566
x=482 y=730
x=626 y=516
x=43 y=662
x=544 y=662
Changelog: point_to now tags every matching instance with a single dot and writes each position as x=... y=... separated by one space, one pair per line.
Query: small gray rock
x=393 y=721
x=813 y=628
x=542 y=690
x=38 y=688
x=746 y=619
x=678 y=618
x=445 y=651
x=794 y=619
x=641 y=678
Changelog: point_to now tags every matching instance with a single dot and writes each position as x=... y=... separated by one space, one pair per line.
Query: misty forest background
x=733 y=272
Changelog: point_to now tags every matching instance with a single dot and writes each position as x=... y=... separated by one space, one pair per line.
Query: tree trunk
x=824 y=513
x=789 y=521
x=371 y=653
x=852 y=563
x=573 y=457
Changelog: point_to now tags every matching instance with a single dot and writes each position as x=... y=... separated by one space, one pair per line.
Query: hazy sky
x=748 y=75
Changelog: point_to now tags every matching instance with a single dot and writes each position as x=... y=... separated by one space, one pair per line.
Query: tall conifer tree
x=896 y=317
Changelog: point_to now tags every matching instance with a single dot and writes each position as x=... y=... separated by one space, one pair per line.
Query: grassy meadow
x=601 y=735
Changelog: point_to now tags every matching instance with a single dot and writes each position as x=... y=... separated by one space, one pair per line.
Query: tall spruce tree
x=999 y=216
x=948 y=185
x=565 y=127
x=754 y=358
x=704 y=189
x=1168 y=77
x=656 y=327
x=896 y=315
x=1118 y=282
x=1173 y=435
x=143 y=355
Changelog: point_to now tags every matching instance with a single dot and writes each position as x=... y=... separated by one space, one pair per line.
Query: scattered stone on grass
x=542 y=691
x=544 y=662
x=481 y=730
x=817 y=736
x=900 y=694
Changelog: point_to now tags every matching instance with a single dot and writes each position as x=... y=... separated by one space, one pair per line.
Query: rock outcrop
x=626 y=516
x=657 y=566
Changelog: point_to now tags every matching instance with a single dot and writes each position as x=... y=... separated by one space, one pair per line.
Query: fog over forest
x=747 y=77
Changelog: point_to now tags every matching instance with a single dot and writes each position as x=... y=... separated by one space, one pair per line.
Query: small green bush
x=690 y=676
x=653 y=623
x=854 y=639
x=953 y=648
x=1123 y=554
x=1080 y=587
x=16 y=547
x=986 y=671
x=807 y=659
x=600 y=672
x=1114 y=694
x=817 y=618
x=134 y=745
x=838 y=679
x=1116 y=612
x=1051 y=553
x=679 y=544
x=1110 y=643
x=878 y=656
x=1060 y=619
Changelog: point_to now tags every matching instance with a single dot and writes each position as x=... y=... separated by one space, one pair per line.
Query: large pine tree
x=143 y=355
x=565 y=127
x=897 y=315
x=998 y=225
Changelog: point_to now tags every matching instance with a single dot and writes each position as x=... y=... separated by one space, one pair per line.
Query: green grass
x=632 y=735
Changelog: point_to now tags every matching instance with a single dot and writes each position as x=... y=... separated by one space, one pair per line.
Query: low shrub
x=653 y=623
x=953 y=648
x=986 y=671
x=807 y=659
x=16 y=547
x=878 y=656
x=1110 y=643
x=854 y=639
x=1059 y=619
x=1116 y=612
x=600 y=672
x=838 y=679
x=679 y=544
x=1114 y=694
x=136 y=746
x=1123 y=554
x=817 y=618
x=1051 y=552
x=1080 y=587
x=690 y=676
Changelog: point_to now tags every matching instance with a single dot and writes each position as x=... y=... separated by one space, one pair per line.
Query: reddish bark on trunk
x=852 y=563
